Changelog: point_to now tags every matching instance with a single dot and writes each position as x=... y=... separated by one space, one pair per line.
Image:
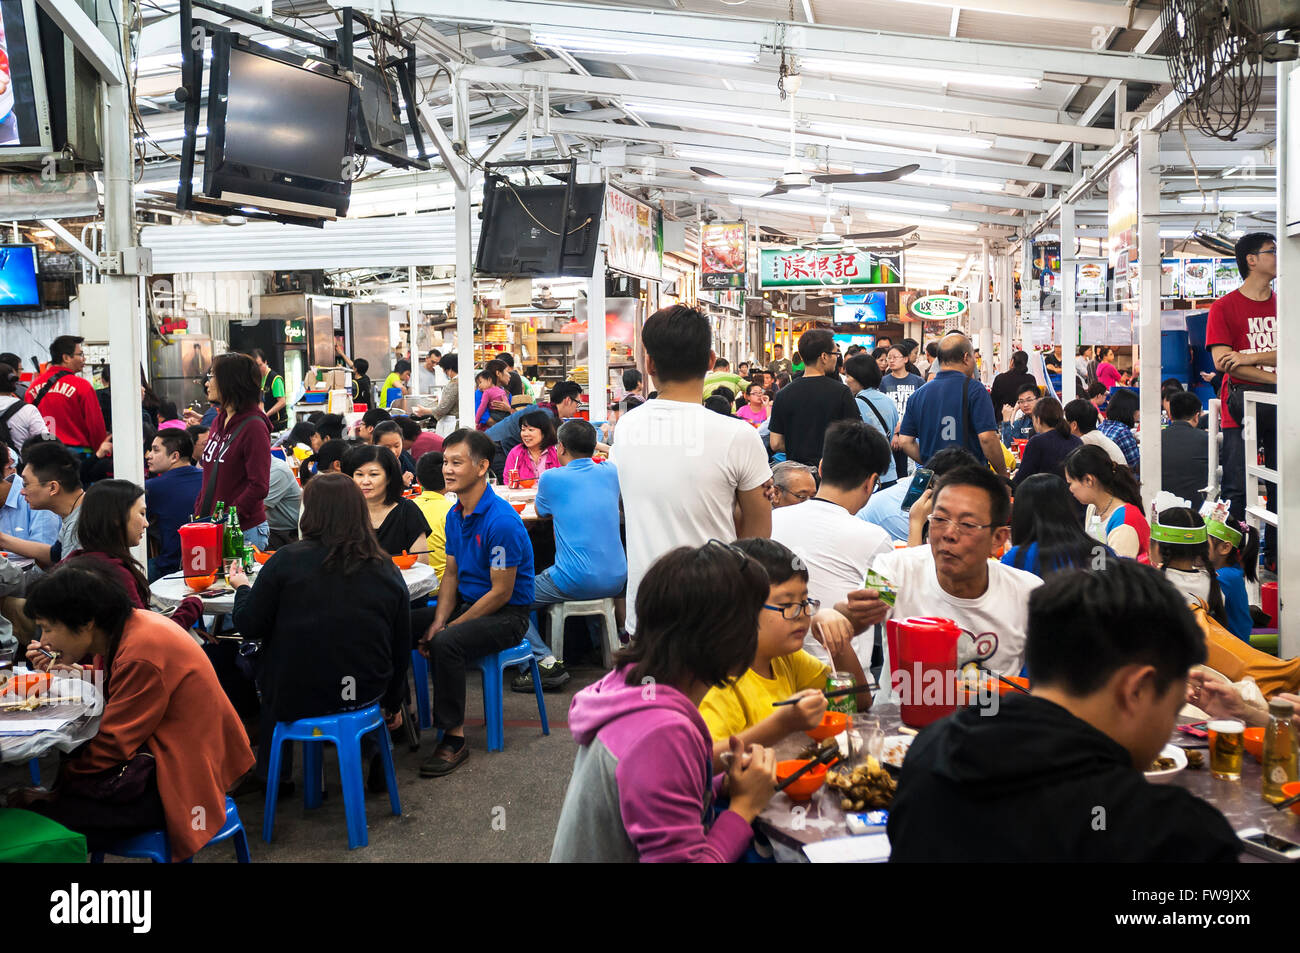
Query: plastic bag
x=82 y=713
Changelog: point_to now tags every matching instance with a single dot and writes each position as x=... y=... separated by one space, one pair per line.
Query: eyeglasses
x=804 y=495
x=939 y=524
x=795 y=610
x=1027 y=399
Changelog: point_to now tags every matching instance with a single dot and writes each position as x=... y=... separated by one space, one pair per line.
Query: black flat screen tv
x=20 y=284
x=280 y=133
x=522 y=234
x=25 y=131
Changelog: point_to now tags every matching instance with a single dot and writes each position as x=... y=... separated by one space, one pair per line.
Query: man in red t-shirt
x=1241 y=335
x=68 y=401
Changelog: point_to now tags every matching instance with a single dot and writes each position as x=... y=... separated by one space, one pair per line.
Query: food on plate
x=1163 y=764
x=867 y=787
x=1195 y=759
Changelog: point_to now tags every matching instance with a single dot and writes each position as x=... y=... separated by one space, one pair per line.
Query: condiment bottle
x=1281 y=760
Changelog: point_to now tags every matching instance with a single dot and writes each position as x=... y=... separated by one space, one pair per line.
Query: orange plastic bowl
x=405 y=561
x=806 y=786
x=528 y=484
x=199 y=583
x=1254 y=740
x=262 y=557
x=832 y=723
x=520 y=507
x=1290 y=789
x=28 y=683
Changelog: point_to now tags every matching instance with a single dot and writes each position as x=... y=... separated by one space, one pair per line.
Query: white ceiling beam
x=87 y=38
x=882 y=156
x=451 y=160
x=1019 y=133
x=812 y=39
x=1098 y=12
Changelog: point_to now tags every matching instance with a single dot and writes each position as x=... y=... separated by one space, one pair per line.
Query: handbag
x=117 y=785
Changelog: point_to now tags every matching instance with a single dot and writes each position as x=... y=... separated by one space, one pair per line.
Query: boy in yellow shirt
x=435 y=506
x=781 y=668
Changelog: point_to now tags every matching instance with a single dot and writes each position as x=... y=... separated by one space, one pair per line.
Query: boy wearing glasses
x=954 y=578
x=781 y=668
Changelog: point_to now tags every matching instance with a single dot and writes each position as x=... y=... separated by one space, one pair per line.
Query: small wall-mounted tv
x=20 y=285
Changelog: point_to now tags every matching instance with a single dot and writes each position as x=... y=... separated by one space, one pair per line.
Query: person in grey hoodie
x=643 y=787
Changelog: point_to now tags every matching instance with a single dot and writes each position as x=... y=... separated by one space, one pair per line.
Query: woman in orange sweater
x=169 y=745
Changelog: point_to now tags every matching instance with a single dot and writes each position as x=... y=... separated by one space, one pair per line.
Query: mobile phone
x=920 y=480
x=1269 y=846
x=1199 y=733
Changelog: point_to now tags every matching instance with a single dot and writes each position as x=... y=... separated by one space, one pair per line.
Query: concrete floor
x=497 y=807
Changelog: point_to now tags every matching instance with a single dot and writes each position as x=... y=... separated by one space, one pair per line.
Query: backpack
x=5 y=436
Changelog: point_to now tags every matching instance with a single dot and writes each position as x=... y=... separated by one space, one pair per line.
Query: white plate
x=896 y=749
x=1170 y=751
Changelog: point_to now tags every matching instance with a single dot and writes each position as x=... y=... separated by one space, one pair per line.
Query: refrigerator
x=180 y=367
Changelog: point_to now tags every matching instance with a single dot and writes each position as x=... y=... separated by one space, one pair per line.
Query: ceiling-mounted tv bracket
x=403 y=65
x=194 y=34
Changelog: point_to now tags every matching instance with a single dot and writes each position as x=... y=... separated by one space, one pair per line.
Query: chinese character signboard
x=804 y=267
x=722 y=254
x=635 y=239
x=938 y=307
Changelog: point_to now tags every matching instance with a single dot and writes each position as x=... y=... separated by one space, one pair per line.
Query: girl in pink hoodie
x=643 y=784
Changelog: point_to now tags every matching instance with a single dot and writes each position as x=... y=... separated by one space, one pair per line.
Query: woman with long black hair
x=1051 y=443
x=1045 y=531
x=1114 y=501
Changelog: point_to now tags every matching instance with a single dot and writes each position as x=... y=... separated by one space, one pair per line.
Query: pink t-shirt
x=481 y=419
x=519 y=458
x=755 y=417
x=1108 y=374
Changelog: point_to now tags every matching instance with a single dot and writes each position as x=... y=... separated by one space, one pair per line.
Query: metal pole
x=412 y=314
x=1148 y=185
x=1069 y=306
x=125 y=353
x=464 y=263
x=1288 y=374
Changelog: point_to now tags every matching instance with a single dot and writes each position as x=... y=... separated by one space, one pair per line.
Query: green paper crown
x=1224 y=532
x=1178 y=535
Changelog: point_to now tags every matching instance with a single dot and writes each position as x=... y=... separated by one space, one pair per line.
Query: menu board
x=1047 y=266
x=1121 y=229
x=1171 y=278
x=723 y=247
x=634 y=238
x=1198 y=277
x=1090 y=280
x=1227 y=277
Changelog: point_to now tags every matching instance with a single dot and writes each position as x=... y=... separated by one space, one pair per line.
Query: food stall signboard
x=722 y=254
x=635 y=241
x=806 y=267
x=938 y=307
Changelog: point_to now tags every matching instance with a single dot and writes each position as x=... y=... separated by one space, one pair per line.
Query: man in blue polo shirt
x=485 y=594
x=17 y=518
x=504 y=434
x=169 y=495
x=582 y=499
x=952 y=410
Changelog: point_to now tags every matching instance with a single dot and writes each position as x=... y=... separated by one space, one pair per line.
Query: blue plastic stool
x=345 y=729
x=493 y=668
x=156 y=847
x=420 y=670
x=34 y=768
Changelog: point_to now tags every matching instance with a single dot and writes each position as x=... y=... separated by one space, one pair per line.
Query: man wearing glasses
x=824 y=531
x=1019 y=427
x=792 y=483
x=1241 y=334
x=954 y=578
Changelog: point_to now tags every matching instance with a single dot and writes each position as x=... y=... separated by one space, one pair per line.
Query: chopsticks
x=835 y=694
x=1283 y=805
x=826 y=756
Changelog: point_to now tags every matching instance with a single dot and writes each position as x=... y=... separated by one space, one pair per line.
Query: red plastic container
x=359 y=408
x=1268 y=601
x=200 y=548
x=923 y=657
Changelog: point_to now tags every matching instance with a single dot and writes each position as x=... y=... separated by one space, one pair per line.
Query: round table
x=171 y=590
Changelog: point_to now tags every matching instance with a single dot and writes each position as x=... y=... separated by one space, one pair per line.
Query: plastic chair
x=420 y=670
x=601 y=607
x=345 y=729
x=155 y=846
x=493 y=668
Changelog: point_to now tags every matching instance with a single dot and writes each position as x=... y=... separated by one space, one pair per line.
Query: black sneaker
x=554 y=678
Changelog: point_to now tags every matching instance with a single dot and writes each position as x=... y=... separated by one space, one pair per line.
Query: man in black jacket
x=1185 y=450
x=1057 y=775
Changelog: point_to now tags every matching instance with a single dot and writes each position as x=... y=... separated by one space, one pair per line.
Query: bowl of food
x=262 y=557
x=199 y=583
x=1253 y=738
x=528 y=484
x=968 y=691
x=1290 y=789
x=405 y=561
x=806 y=785
x=832 y=723
x=520 y=507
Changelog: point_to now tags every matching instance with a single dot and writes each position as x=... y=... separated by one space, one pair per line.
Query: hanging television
x=279 y=135
x=26 y=135
x=20 y=285
x=542 y=231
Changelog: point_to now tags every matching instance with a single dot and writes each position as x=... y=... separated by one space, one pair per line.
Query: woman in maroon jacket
x=236 y=459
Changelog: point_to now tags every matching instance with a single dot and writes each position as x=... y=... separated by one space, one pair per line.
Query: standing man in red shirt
x=66 y=400
x=1241 y=334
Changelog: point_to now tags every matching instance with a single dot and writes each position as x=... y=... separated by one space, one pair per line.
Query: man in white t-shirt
x=953 y=577
x=682 y=468
x=836 y=546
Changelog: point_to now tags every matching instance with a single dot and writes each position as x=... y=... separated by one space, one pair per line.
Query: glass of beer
x=1226 y=747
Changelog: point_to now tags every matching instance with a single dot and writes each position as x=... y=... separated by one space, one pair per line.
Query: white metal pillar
x=1148 y=186
x=464 y=259
x=125 y=354
x=412 y=311
x=597 y=354
x=1287 y=287
x=1069 y=336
